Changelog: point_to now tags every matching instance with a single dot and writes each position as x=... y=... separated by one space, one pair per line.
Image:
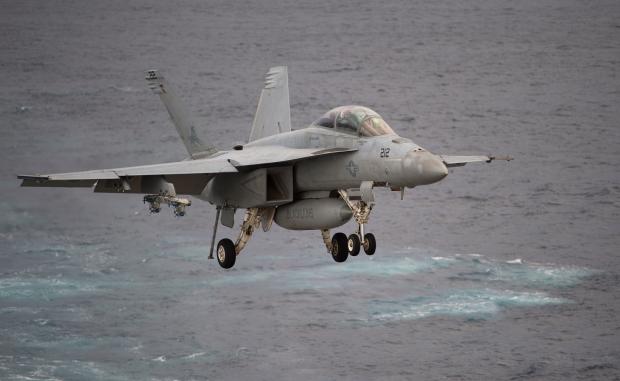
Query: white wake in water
x=469 y=303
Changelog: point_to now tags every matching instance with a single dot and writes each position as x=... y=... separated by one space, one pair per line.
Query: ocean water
x=501 y=271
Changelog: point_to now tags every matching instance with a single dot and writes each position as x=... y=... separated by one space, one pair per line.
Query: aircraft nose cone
x=435 y=169
x=424 y=167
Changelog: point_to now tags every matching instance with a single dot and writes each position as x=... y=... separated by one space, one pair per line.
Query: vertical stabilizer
x=183 y=123
x=273 y=115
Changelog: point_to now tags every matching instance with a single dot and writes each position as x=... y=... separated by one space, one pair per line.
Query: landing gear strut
x=361 y=212
x=339 y=245
x=227 y=251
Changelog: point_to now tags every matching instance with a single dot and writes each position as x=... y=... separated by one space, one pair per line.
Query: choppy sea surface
x=501 y=271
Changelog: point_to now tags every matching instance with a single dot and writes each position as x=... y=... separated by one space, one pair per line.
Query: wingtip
x=277 y=75
x=151 y=74
x=32 y=177
x=32 y=181
x=277 y=69
x=504 y=158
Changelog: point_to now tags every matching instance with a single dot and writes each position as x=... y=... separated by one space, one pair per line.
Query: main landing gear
x=227 y=251
x=340 y=246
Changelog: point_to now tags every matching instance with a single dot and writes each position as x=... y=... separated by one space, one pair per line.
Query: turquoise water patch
x=38 y=369
x=211 y=356
x=54 y=341
x=35 y=257
x=245 y=277
x=541 y=275
x=54 y=338
x=516 y=271
x=13 y=218
x=330 y=274
x=334 y=275
x=521 y=285
x=381 y=267
x=472 y=268
x=42 y=288
x=474 y=303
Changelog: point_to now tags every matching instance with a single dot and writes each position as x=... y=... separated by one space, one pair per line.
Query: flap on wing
x=459 y=161
x=44 y=181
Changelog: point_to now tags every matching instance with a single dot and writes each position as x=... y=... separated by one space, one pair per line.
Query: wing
x=459 y=161
x=273 y=115
x=187 y=177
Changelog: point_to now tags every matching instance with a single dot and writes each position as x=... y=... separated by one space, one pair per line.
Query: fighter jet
x=315 y=178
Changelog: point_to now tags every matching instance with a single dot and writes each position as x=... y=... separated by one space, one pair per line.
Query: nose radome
x=424 y=168
x=435 y=168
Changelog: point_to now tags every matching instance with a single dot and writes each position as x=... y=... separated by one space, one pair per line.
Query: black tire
x=370 y=243
x=353 y=245
x=226 y=254
x=339 y=247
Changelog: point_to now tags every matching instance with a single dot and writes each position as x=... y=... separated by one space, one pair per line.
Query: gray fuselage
x=386 y=160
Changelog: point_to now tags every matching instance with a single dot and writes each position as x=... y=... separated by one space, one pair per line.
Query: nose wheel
x=353 y=244
x=370 y=244
x=339 y=249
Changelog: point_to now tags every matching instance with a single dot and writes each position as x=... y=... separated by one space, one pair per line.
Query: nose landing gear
x=340 y=251
x=340 y=246
x=353 y=244
x=370 y=244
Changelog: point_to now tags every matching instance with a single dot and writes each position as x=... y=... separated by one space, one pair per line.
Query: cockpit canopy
x=355 y=119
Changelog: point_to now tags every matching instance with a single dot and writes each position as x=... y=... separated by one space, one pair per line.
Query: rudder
x=273 y=114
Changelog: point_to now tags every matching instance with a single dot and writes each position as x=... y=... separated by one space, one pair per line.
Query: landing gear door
x=366 y=192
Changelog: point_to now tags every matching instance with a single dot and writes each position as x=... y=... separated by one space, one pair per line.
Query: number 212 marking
x=385 y=152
